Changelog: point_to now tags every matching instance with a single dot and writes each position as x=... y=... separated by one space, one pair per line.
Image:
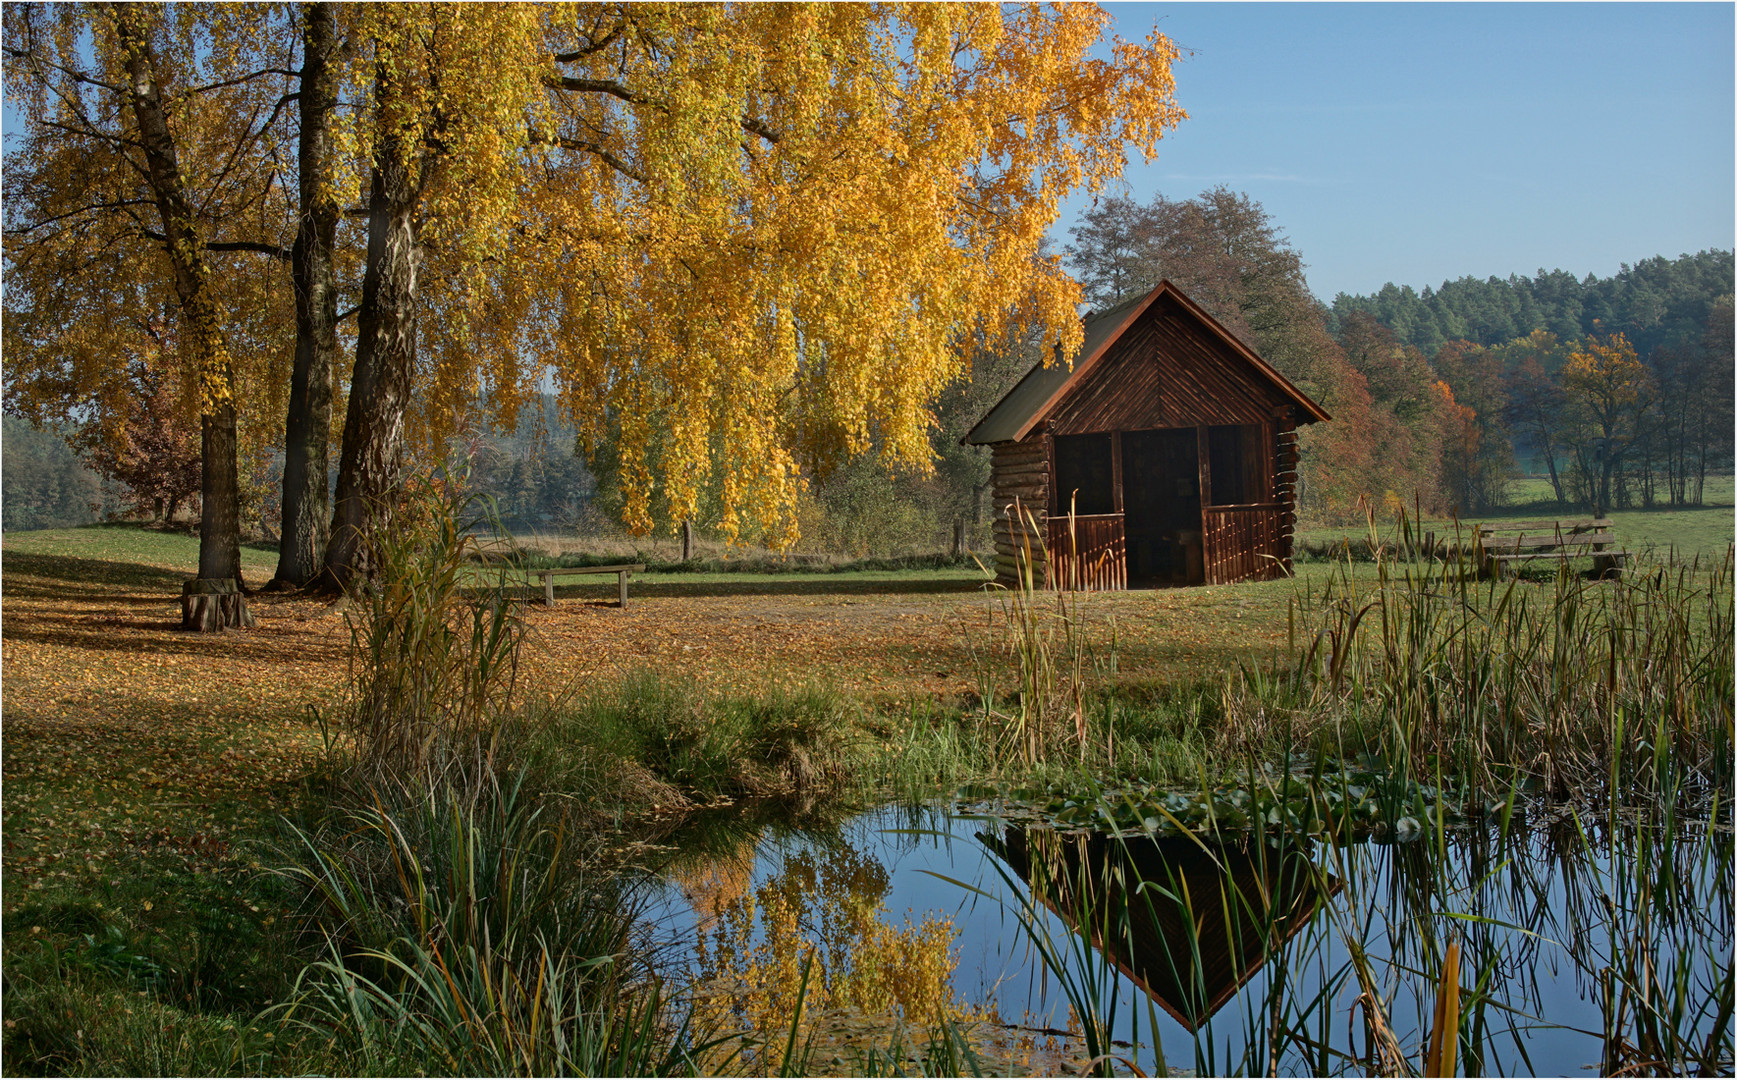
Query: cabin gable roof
x=1213 y=373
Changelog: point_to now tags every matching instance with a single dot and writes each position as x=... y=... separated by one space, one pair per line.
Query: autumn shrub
x=435 y=643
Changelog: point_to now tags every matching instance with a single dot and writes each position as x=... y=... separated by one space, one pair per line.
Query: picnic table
x=1513 y=542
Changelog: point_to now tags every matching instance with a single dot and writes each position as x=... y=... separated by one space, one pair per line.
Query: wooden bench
x=623 y=571
x=1502 y=543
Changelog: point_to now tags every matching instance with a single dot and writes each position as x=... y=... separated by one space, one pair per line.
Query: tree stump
x=212 y=604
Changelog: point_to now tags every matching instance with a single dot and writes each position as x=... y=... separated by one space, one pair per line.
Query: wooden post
x=549 y=589
x=1203 y=452
x=622 y=579
x=1116 y=470
x=687 y=543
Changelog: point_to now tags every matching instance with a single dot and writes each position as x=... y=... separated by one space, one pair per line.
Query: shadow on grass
x=76 y=571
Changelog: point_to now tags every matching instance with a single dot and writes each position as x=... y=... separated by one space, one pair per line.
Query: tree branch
x=588 y=147
x=281 y=254
x=52 y=219
x=633 y=97
x=594 y=47
x=240 y=80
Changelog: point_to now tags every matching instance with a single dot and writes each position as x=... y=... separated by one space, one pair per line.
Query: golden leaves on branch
x=822 y=209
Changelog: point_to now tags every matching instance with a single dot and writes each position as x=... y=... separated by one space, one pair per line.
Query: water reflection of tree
x=823 y=912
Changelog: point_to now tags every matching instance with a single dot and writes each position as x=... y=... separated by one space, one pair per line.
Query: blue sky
x=1415 y=143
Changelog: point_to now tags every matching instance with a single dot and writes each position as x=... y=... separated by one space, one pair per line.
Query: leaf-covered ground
x=126 y=738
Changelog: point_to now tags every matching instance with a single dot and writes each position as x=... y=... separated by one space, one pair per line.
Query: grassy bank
x=153 y=779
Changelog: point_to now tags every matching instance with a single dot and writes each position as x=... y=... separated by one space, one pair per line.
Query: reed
x=1574 y=686
x=435 y=644
x=461 y=936
x=1055 y=662
x=1420 y=958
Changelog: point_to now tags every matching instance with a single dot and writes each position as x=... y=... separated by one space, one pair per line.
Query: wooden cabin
x=1166 y=455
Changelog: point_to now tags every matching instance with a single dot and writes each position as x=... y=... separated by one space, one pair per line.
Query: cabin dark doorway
x=1161 y=507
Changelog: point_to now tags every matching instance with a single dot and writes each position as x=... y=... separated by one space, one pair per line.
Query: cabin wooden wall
x=1163 y=372
x=1020 y=484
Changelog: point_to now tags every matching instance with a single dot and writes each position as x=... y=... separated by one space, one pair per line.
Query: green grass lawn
x=122 y=553
x=1705 y=532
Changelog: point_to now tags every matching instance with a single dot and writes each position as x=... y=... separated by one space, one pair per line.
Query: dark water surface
x=1573 y=937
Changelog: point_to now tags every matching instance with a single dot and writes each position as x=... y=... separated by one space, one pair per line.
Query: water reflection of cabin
x=1205 y=921
x=1173 y=443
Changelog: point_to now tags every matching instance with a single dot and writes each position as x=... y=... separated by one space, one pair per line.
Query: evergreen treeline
x=1656 y=302
x=43 y=484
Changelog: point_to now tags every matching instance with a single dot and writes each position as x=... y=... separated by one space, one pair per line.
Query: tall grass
x=434 y=645
x=1577 y=686
x=461 y=929
x=1056 y=665
x=462 y=935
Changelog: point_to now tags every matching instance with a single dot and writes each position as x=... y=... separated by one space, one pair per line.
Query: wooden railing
x=1088 y=552
x=1244 y=542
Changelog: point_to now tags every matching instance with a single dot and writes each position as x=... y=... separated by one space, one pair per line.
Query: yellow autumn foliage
x=755 y=240
x=744 y=242
x=92 y=286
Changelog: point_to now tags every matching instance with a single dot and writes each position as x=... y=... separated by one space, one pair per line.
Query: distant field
x=1706 y=531
x=1536 y=489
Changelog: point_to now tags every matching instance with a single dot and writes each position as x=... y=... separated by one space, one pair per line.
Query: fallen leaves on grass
x=122 y=731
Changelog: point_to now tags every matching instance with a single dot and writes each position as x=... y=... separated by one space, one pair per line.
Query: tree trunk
x=313 y=274
x=385 y=348
x=220 y=517
x=1555 y=480
x=209 y=606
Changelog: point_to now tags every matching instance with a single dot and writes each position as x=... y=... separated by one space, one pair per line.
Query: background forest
x=1617 y=392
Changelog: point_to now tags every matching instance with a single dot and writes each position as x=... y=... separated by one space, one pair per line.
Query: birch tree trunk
x=313 y=274
x=219 y=524
x=385 y=346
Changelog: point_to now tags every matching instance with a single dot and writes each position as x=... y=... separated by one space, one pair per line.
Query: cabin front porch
x=1156 y=508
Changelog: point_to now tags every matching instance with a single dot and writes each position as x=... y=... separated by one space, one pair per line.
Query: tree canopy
x=767 y=236
x=746 y=242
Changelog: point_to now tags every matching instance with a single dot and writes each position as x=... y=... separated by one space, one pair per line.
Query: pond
x=1580 y=945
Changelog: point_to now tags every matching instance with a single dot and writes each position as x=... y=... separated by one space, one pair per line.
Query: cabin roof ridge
x=1043 y=388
